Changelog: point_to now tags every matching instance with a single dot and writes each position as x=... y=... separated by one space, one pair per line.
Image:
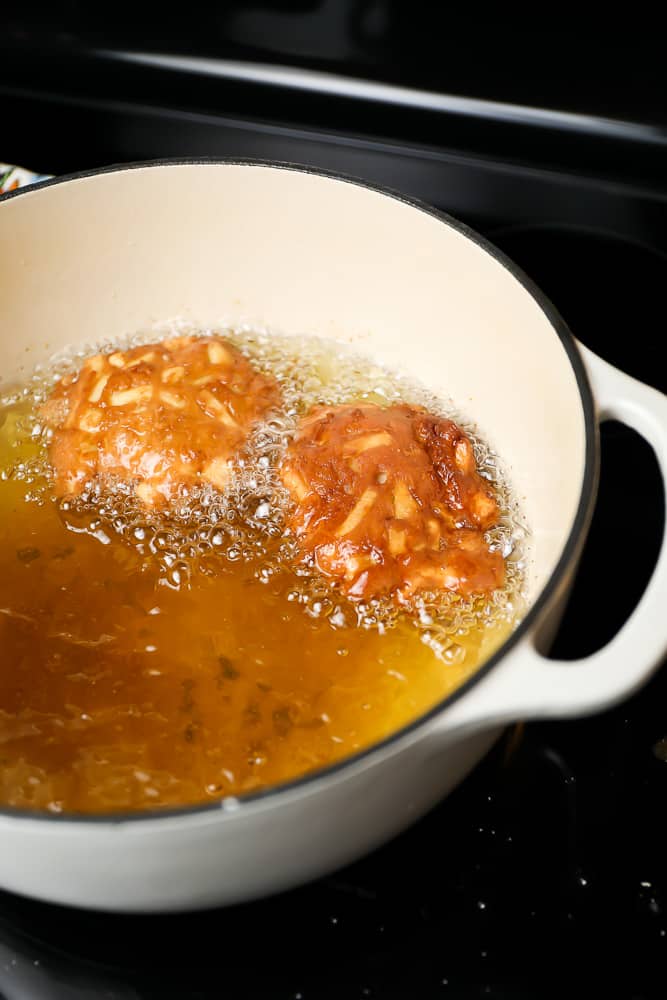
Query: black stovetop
x=545 y=873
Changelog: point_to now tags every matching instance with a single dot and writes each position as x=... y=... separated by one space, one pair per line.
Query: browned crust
x=389 y=501
x=159 y=416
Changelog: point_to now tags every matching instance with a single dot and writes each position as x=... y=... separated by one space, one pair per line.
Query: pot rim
x=568 y=555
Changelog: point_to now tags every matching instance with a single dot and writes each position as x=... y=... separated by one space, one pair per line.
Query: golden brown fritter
x=389 y=501
x=159 y=416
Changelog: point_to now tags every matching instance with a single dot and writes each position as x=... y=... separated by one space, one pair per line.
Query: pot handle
x=526 y=684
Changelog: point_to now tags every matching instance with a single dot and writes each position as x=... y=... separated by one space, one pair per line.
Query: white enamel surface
x=200 y=861
x=104 y=256
x=525 y=684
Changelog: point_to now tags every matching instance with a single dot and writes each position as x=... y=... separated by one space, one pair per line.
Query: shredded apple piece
x=117 y=416
x=389 y=501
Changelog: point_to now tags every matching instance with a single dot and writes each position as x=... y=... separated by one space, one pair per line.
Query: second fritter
x=388 y=501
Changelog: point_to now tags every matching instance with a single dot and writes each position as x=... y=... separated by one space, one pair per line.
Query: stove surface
x=545 y=872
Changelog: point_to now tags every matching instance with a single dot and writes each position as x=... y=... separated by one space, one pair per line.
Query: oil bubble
x=203 y=531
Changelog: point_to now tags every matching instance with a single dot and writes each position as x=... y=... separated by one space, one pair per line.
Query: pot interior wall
x=115 y=253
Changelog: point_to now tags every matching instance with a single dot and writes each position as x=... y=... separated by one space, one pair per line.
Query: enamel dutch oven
x=108 y=253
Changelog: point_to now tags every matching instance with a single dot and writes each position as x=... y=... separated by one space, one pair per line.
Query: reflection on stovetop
x=444 y=47
x=544 y=872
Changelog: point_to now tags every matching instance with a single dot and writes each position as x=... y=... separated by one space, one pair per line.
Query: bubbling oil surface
x=166 y=659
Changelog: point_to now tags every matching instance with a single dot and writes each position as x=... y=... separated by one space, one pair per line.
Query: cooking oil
x=168 y=657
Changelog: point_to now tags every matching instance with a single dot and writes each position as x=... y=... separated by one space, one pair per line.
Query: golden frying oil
x=148 y=663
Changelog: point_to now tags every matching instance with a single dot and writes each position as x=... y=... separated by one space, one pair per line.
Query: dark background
x=609 y=66
x=545 y=872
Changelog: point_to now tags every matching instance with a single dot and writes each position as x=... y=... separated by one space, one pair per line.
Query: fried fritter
x=159 y=416
x=390 y=502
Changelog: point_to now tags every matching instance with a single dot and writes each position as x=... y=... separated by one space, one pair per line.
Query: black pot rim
x=568 y=555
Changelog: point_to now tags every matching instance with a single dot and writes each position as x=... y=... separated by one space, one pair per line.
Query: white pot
x=112 y=252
